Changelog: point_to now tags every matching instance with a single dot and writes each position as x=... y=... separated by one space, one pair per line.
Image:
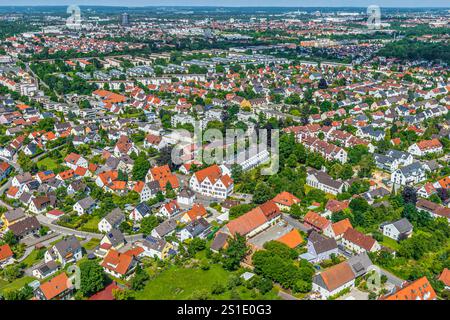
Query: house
x=119 y=265
x=336 y=230
x=334 y=206
x=322 y=181
x=334 y=280
x=425 y=147
x=147 y=190
x=420 y=289
x=111 y=221
x=74 y=160
x=392 y=160
x=6 y=255
x=197 y=211
x=316 y=221
x=445 y=278
x=285 y=200
x=12 y=216
x=397 y=230
x=374 y=194
x=164 y=176
x=84 y=206
x=254 y=221
x=166 y=228
x=5 y=170
x=76 y=186
x=213 y=181
x=320 y=248
x=57 y=288
x=358 y=242
x=45 y=270
x=434 y=209
x=38 y=205
x=113 y=239
x=65 y=251
x=21 y=179
x=186 y=197
x=154 y=247
x=140 y=211
x=25 y=227
x=198 y=228
x=292 y=239
x=409 y=175
x=169 y=209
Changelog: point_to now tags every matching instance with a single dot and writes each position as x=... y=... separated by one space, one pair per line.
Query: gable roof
x=341 y=226
x=360 y=239
x=335 y=277
x=5 y=252
x=55 y=286
x=292 y=239
x=316 y=220
x=420 y=289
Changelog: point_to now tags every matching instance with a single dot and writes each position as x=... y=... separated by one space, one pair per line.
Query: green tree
x=92 y=277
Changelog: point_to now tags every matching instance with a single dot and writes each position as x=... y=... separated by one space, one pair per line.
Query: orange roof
x=5 y=252
x=72 y=158
x=55 y=286
x=197 y=211
x=292 y=239
x=117 y=262
x=445 y=182
x=4 y=166
x=80 y=171
x=134 y=252
x=341 y=226
x=66 y=174
x=359 y=238
x=420 y=289
x=429 y=144
x=315 y=220
x=444 y=277
x=337 y=275
x=286 y=199
x=247 y=222
x=118 y=185
x=92 y=167
x=139 y=186
x=46 y=175
x=12 y=191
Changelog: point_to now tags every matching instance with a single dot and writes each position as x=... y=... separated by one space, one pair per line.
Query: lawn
x=34 y=257
x=91 y=225
x=390 y=243
x=47 y=164
x=91 y=244
x=16 y=284
x=178 y=283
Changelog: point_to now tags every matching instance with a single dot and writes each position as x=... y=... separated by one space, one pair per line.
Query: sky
x=229 y=3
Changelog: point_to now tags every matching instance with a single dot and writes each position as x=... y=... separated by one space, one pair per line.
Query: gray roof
x=14 y=214
x=115 y=237
x=166 y=227
x=219 y=241
x=86 y=203
x=68 y=245
x=155 y=243
x=25 y=226
x=325 y=179
x=115 y=217
x=322 y=244
x=47 y=268
x=197 y=227
x=403 y=225
x=360 y=263
x=411 y=169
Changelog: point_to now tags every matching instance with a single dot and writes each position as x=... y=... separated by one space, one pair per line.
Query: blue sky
x=279 y=3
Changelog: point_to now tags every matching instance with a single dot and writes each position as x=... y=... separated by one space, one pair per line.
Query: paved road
x=286 y=296
x=67 y=231
x=294 y=222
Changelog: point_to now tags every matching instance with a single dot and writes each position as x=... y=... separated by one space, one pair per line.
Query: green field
x=47 y=164
x=390 y=243
x=34 y=257
x=91 y=244
x=91 y=225
x=178 y=283
x=16 y=284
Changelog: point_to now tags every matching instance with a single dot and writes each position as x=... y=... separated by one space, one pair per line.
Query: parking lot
x=272 y=233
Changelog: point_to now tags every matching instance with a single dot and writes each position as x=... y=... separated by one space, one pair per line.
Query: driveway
x=295 y=223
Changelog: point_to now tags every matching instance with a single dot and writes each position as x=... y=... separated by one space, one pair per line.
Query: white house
x=410 y=174
x=213 y=181
x=398 y=230
x=425 y=147
x=65 y=251
x=84 y=206
x=111 y=221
